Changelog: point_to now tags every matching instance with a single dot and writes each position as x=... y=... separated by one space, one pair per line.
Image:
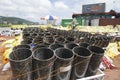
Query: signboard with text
x=68 y=22
x=100 y=7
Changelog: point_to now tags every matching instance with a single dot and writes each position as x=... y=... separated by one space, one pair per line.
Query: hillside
x=14 y=20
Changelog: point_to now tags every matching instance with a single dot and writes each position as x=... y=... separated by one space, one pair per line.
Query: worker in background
x=74 y=22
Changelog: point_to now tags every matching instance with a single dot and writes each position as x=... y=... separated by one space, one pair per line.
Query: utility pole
x=114 y=5
x=7 y=19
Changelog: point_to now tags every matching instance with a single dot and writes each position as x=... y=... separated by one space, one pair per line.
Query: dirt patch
x=113 y=74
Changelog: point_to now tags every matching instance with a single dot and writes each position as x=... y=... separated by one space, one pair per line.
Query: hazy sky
x=34 y=9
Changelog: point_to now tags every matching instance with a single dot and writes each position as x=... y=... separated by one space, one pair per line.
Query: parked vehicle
x=16 y=31
x=6 y=33
x=10 y=32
